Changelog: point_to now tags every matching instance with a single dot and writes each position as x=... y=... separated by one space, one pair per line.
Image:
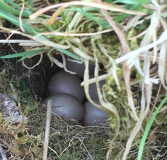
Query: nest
x=67 y=140
x=132 y=52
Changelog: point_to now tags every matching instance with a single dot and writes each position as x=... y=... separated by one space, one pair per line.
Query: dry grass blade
x=79 y=51
x=89 y=40
x=30 y=43
x=101 y=5
x=43 y=41
x=93 y=80
x=54 y=16
x=41 y=56
x=146 y=97
x=155 y=47
x=75 y=34
x=54 y=60
x=145 y=44
x=114 y=68
x=86 y=86
x=162 y=66
x=16 y=41
x=139 y=35
x=133 y=54
x=125 y=49
x=20 y=19
x=147 y=82
x=110 y=107
x=64 y=64
x=134 y=21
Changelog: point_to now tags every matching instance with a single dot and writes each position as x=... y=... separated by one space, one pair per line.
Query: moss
x=27 y=138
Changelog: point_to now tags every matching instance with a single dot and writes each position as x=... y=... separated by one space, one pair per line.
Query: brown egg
x=93 y=89
x=66 y=106
x=93 y=115
x=79 y=68
x=63 y=82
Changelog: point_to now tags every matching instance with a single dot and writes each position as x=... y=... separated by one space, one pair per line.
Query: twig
x=47 y=129
x=69 y=144
x=81 y=140
x=53 y=151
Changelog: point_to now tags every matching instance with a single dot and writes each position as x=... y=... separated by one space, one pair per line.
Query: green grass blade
x=30 y=2
x=33 y=9
x=13 y=4
x=13 y=55
x=64 y=19
x=108 y=1
x=15 y=21
x=148 y=128
x=88 y=15
x=33 y=31
x=133 y=1
x=141 y=27
x=84 y=9
x=68 y=53
x=124 y=15
x=8 y=9
x=23 y=54
x=30 y=53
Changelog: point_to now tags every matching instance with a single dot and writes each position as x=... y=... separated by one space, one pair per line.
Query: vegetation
x=127 y=38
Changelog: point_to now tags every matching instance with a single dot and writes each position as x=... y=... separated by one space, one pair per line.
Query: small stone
x=9 y=109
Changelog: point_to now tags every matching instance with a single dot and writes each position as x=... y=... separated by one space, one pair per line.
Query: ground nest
x=24 y=140
x=67 y=140
x=126 y=41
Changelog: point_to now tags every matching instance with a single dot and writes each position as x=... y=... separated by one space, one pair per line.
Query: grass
x=148 y=127
x=84 y=30
x=6 y=11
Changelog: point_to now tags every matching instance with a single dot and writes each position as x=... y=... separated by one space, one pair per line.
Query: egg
x=66 y=106
x=93 y=89
x=93 y=115
x=78 y=68
x=63 y=82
